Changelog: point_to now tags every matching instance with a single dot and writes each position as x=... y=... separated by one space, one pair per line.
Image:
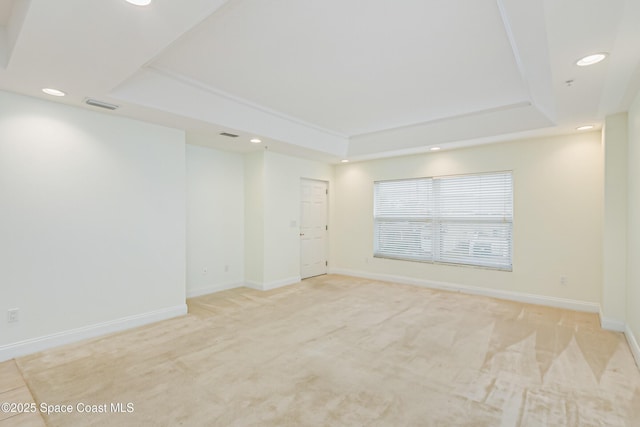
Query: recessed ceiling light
x=434 y=148
x=53 y=92
x=344 y=161
x=585 y=127
x=140 y=2
x=591 y=59
x=256 y=141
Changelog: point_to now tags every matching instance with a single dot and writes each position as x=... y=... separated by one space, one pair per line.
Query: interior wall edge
x=611 y=324
x=34 y=345
x=633 y=344
x=267 y=286
x=253 y=285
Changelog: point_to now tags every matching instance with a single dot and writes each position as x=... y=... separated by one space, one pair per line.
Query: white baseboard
x=192 y=293
x=272 y=285
x=568 y=304
x=281 y=283
x=34 y=345
x=253 y=285
x=633 y=344
x=611 y=324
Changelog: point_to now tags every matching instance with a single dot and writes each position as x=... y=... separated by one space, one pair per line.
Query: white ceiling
x=336 y=78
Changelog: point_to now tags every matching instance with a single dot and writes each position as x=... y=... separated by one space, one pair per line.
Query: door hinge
x=326 y=191
x=326 y=227
x=326 y=263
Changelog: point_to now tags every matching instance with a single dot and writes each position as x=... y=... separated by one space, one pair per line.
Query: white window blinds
x=466 y=219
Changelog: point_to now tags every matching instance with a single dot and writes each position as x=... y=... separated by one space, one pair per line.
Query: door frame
x=326 y=243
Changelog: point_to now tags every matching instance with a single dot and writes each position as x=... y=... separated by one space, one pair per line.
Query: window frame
x=502 y=224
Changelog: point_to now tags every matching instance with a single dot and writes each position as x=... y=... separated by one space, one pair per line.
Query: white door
x=313 y=228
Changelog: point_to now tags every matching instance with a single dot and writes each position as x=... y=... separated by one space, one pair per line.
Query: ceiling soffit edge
x=525 y=30
x=230 y=97
x=157 y=90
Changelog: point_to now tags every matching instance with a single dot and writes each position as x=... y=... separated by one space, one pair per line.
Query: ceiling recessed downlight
x=140 y=2
x=591 y=59
x=256 y=140
x=585 y=127
x=53 y=92
x=434 y=148
x=344 y=161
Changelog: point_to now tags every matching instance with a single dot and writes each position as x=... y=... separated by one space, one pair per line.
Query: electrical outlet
x=13 y=315
x=226 y=268
x=205 y=270
x=564 y=280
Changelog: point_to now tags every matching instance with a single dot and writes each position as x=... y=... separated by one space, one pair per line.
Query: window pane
x=482 y=244
x=475 y=196
x=409 y=198
x=404 y=239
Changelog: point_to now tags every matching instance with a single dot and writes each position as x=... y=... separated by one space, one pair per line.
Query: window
x=464 y=219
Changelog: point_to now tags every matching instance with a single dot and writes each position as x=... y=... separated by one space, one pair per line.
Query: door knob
x=302 y=234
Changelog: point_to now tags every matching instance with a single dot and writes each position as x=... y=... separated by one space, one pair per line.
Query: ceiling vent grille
x=101 y=104
x=230 y=135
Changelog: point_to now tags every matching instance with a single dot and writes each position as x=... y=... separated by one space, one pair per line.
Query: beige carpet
x=338 y=351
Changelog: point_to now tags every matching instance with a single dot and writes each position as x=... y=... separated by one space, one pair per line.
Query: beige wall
x=92 y=228
x=614 y=242
x=633 y=222
x=558 y=187
x=254 y=188
x=215 y=219
x=272 y=212
x=283 y=176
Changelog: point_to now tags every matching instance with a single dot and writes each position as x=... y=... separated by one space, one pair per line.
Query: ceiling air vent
x=230 y=135
x=96 y=103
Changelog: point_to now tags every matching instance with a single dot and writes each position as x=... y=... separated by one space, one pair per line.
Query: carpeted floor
x=339 y=351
